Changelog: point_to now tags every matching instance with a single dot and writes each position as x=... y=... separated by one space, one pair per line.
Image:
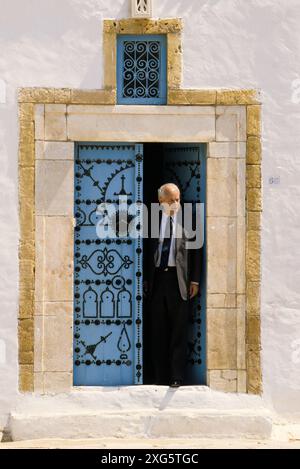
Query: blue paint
x=141 y=69
x=107 y=272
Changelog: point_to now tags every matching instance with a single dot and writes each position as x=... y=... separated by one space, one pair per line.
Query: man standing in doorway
x=173 y=280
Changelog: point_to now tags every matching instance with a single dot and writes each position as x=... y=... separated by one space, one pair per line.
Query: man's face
x=170 y=201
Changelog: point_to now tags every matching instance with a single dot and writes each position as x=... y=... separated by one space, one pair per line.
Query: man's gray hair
x=163 y=190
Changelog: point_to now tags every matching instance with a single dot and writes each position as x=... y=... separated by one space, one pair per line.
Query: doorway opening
x=111 y=324
x=183 y=164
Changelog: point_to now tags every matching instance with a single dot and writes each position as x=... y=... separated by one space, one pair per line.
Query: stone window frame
x=172 y=28
x=43 y=114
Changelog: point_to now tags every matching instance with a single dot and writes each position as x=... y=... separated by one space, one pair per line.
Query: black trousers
x=169 y=328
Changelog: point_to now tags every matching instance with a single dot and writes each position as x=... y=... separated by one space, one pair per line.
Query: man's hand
x=194 y=288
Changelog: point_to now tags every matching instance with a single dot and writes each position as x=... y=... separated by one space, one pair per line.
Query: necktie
x=165 y=250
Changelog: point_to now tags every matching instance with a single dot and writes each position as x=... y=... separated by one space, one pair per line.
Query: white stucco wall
x=227 y=43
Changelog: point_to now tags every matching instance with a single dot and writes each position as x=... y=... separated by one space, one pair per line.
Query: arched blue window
x=142 y=69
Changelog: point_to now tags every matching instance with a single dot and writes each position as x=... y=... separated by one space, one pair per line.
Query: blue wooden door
x=184 y=165
x=107 y=271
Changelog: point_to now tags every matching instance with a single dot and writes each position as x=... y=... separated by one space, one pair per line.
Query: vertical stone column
x=54 y=250
x=253 y=270
x=26 y=246
x=226 y=231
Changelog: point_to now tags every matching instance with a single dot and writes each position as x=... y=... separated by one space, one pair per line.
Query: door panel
x=184 y=165
x=107 y=271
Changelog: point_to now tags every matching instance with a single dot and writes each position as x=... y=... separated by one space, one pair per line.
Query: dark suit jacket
x=188 y=262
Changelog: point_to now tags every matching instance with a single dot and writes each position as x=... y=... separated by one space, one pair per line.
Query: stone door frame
x=228 y=121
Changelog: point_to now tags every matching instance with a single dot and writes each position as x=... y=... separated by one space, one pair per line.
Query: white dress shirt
x=164 y=219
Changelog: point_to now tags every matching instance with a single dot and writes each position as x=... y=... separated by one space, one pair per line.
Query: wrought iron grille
x=141 y=69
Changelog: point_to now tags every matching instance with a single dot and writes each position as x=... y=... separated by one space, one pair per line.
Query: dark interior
x=154 y=176
x=153 y=179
